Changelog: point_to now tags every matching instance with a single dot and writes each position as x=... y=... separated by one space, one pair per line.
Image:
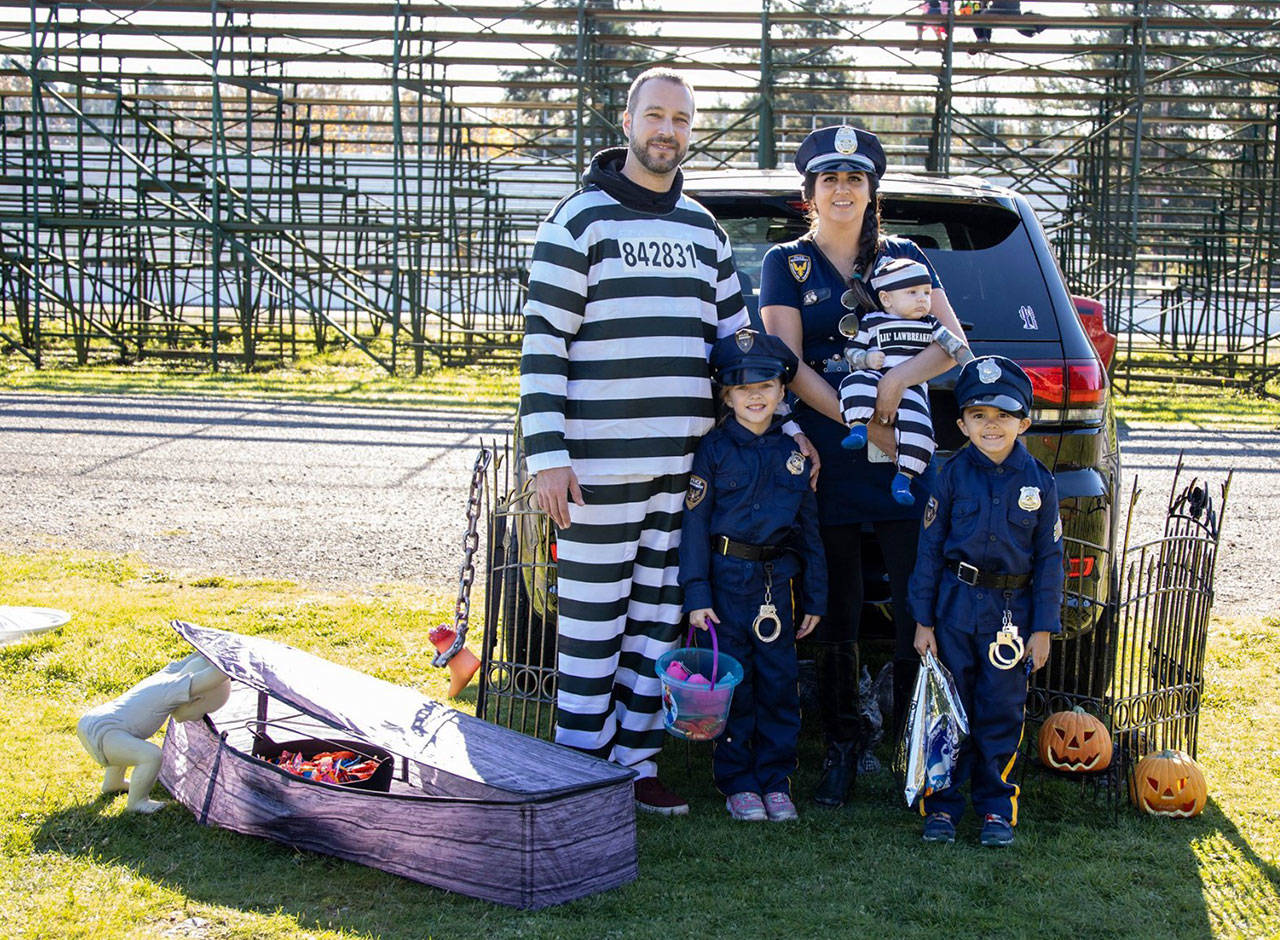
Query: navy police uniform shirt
x=754 y=489
x=851 y=489
x=1003 y=519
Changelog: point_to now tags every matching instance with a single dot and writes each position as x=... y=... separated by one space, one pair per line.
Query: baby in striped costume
x=881 y=340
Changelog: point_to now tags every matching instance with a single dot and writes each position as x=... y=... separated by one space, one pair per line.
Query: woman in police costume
x=806 y=286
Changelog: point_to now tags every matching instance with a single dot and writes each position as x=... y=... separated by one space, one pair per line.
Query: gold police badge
x=795 y=463
x=930 y=511
x=697 y=490
x=800 y=266
x=1029 y=498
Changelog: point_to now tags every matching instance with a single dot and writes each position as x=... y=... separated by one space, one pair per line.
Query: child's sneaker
x=779 y=807
x=938 y=827
x=996 y=831
x=746 y=807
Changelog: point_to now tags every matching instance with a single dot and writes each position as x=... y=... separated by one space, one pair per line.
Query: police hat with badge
x=842 y=147
x=997 y=382
x=750 y=356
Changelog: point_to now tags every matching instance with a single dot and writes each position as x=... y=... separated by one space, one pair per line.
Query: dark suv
x=1005 y=286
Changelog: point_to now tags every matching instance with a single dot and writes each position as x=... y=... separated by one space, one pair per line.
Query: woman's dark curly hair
x=869 y=241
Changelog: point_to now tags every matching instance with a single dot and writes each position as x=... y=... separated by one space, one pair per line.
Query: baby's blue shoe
x=900 y=487
x=856 y=439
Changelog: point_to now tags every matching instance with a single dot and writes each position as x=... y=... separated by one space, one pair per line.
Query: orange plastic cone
x=462 y=666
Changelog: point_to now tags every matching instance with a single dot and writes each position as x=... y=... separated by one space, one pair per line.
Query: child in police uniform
x=986 y=591
x=751 y=536
x=883 y=339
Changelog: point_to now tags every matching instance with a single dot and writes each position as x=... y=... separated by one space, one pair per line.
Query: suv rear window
x=983 y=255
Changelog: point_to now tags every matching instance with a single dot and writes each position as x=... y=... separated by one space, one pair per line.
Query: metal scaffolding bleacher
x=230 y=183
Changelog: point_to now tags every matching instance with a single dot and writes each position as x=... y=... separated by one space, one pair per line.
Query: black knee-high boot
x=837 y=665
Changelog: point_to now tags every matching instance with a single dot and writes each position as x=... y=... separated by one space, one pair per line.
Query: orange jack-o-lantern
x=1075 y=741
x=1169 y=783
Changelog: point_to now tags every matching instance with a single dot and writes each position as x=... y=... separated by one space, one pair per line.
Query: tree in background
x=573 y=100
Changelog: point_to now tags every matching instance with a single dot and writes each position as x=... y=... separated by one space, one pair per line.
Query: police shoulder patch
x=697 y=490
x=930 y=511
x=1057 y=529
x=800 y=266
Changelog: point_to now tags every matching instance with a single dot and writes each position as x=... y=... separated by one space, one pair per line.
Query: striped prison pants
x=619 y=608
x=915 y=428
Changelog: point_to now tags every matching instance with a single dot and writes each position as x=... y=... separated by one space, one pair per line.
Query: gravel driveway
x=339 y=495
x=329 y=494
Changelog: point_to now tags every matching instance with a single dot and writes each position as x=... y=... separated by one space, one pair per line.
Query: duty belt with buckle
x=972 y=576
x=723 y=545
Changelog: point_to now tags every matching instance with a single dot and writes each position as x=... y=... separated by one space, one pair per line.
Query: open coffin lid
x=483 y=760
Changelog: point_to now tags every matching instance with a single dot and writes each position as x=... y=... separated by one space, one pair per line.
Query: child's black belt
x=723 y=545
x=972 y=576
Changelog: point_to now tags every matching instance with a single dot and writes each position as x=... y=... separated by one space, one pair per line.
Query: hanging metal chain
x=470 y=543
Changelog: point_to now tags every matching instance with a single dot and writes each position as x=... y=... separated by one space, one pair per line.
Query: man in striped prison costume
x=631 y=283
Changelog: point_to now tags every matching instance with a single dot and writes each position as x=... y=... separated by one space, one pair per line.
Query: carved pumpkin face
x=1169 y=783
x=1074 y=741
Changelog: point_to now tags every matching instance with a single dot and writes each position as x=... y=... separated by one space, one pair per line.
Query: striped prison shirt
x=623 y=308
x=899 y=339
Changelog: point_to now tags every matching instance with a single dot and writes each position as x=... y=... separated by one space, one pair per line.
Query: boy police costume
x=990 y=557
x=750 y=528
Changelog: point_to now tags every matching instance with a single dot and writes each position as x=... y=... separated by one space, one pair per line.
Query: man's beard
x=661 y=166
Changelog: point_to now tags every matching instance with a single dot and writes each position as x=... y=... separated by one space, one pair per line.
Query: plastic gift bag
x=936 y=724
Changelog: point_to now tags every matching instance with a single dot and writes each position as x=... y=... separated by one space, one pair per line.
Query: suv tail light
x=1072 y=391
x=1093 y=318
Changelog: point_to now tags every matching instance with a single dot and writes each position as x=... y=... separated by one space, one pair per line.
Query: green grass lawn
x=74 y=865
x=338 y=376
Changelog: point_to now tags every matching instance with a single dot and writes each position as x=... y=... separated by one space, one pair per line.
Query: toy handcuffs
x=768 y=612
x=1007 y=649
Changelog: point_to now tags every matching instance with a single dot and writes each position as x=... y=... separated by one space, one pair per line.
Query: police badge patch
x=697 y=490
x=930 y=511
x=795 y=463
x=988 y=372
x=1057 y=529
x=800 y=266
x=745 y=338
x=1029 y=498
x=846 y=140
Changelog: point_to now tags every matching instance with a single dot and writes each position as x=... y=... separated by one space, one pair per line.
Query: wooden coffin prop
x=469 y=806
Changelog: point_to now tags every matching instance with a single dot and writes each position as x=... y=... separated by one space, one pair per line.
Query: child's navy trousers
x=995 y=701
x=757 y=751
